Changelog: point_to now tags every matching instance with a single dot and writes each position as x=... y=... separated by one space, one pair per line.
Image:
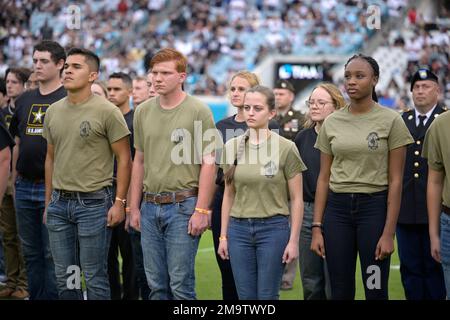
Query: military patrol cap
x=423 y=74
x=284 y=84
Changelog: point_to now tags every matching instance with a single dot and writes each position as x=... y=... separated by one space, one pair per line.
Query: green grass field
x=208 y=280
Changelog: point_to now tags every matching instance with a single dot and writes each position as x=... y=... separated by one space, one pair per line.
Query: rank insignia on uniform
x=410 y=117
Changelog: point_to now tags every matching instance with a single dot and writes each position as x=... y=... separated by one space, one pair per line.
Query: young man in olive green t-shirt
x=83 y=133
x=175 y=169
x=436 y=150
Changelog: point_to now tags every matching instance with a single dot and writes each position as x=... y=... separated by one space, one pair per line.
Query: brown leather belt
x=446 y=209
x=170 y=197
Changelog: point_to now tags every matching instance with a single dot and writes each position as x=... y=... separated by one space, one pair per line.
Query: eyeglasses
x=319 y=103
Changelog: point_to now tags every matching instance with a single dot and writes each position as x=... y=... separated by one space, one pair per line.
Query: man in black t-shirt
x=119 y=90
x=28 y=167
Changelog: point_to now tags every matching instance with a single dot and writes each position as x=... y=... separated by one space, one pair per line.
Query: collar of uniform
x=427 y=115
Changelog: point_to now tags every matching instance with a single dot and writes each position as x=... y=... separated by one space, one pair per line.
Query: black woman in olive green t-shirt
x=359 y=187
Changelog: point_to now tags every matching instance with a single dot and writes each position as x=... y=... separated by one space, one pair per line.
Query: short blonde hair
x=251 y=78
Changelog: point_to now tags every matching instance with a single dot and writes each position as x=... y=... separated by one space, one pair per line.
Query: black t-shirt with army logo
x=27 y=124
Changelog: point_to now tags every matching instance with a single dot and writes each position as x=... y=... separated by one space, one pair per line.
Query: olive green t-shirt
x=82 y=135
x=261 y=176
x=436 y=149
x=173 y=142
x=360 y=146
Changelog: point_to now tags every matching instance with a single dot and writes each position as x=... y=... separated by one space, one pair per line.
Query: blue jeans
x=313 y=269
x=169 y=251
x=445 y=250
x=353 y=223
x=80 y=238
x=256 y=248
x=33 y=234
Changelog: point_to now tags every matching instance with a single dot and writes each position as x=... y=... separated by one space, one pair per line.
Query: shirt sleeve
x=116 y=126
x=431 y=149
x=323 y=141
x=137 y=133
x=399 y=135
x=46 y=133
x=5 y=138
x=294 y=163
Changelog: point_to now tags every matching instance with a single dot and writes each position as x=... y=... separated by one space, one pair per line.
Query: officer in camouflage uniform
x=290 y=120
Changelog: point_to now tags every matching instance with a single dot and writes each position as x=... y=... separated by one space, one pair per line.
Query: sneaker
x=20 y=294
x=286 y=286
x=6 y=292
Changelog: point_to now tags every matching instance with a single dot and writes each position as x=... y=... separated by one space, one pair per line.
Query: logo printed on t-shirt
x=372 y=140
x=8 y=119
x=35 y=123
x=270 y=169
x=85 y=128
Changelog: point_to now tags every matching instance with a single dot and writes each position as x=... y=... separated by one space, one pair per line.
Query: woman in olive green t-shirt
x=358 y=193
x=262 y=170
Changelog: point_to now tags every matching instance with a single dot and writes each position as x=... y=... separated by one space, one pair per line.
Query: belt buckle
x=66 y=194
x=157 y=198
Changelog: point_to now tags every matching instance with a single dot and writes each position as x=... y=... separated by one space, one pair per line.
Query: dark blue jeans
x=353 y=223
x=445 y=249
x=33 y=234
x=256 y=249
x=422 y=276
x=80 y=238
x=141 y=279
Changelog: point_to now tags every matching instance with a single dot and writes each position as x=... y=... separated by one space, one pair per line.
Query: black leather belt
x=446 y=209
x=65 y=194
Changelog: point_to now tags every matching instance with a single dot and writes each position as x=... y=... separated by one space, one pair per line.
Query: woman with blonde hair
x=99 y=88
x=325 y=98
x=358 y=194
